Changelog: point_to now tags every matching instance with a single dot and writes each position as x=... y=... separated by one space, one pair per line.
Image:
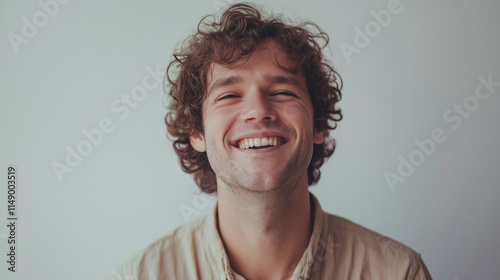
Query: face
x=258 y=123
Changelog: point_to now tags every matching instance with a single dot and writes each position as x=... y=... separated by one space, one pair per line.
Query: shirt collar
x=214 y=249
x=315 y=252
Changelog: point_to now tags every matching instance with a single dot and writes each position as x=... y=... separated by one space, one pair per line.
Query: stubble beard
x=275 y=181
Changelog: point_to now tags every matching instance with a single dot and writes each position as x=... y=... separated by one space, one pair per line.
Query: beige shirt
x=338 y=249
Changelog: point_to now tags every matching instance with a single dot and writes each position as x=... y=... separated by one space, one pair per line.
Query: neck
x=265 y=233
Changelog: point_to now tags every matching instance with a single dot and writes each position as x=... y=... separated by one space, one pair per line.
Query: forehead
x=267 y=58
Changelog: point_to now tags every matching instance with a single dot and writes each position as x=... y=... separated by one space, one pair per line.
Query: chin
x=263 y=185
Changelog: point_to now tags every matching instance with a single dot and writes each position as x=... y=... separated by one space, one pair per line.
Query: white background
x=129 y=190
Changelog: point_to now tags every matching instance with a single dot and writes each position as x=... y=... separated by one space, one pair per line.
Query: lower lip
x=261 y=150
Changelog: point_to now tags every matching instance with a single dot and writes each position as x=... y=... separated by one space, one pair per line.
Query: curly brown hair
x=235 y=35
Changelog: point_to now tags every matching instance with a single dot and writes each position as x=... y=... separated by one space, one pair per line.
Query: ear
x=319 y=136
x=198 y=142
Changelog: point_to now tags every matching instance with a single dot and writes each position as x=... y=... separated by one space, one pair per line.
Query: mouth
x=256 y=143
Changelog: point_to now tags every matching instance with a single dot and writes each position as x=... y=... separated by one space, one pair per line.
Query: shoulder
x=163 y=258
x=373 y=252
x=367 y=238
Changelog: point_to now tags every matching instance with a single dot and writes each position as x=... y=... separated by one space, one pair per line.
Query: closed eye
x=227 y=96
x=283 y=93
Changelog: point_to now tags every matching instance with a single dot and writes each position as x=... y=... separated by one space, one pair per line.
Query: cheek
x=217 y=123
x=299 y=113
x=223 y=117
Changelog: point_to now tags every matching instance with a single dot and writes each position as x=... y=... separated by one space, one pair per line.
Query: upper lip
x=259 y=134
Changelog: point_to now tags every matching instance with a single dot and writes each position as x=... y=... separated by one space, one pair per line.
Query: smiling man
x=253 y=100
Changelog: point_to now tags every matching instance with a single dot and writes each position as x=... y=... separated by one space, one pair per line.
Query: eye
x=285 y=93
x=227 y=96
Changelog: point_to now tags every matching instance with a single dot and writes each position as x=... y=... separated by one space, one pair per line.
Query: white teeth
x=259 y=142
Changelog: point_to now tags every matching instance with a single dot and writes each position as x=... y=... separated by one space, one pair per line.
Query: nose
x=258 y=108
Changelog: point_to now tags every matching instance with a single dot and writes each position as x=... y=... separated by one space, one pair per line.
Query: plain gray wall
x=70 y=73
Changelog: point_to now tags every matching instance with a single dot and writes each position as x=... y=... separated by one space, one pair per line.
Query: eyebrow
x=285 y=80
x=225 y=82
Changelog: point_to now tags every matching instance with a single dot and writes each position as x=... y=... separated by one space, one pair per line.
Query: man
x=252 y=102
